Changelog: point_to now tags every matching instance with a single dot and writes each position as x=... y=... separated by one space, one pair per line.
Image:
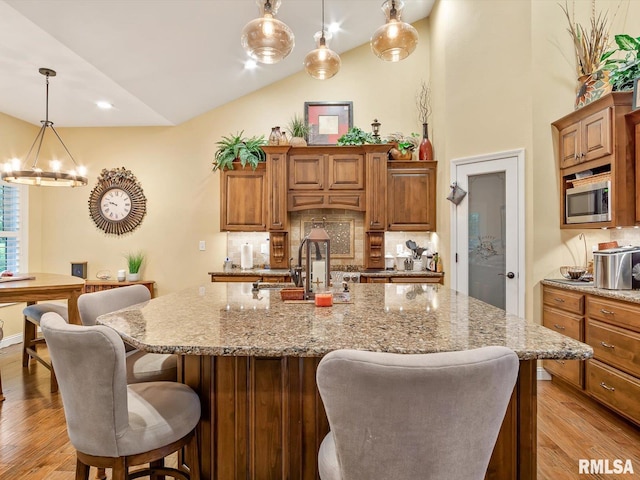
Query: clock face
x=115 y=204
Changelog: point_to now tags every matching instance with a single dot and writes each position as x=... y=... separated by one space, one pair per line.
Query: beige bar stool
x=32 y=316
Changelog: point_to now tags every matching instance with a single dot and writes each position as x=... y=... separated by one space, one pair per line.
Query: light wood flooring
x=34 y=443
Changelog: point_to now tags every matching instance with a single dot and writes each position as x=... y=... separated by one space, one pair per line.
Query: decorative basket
x=292 y=293
x=599 y=177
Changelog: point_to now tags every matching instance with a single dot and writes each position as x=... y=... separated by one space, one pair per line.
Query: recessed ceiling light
x=104 y=105
x=250 y=64
x=334 y=27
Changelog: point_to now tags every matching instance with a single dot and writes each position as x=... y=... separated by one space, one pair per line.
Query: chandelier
x=267 y=39
x=14 y=172
x=322 y=63
x=395 y=40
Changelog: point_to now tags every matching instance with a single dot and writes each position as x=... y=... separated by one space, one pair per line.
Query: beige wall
x=174 y=166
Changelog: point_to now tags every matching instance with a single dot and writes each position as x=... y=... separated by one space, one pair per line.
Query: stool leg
x=54 y=380
x=29 y=335
x=100 y=474
x=1 y=394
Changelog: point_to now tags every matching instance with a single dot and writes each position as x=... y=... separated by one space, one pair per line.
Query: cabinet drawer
x=564 y=299
x=562 y=322
x=619 y=391
x=351 y=201
x=621 y=314
x=569 y=370
x=615 y=346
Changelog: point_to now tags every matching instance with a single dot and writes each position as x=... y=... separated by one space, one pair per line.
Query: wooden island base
x=262 y=418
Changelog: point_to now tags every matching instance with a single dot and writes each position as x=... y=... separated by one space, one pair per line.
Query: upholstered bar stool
x=32 y=316
x=112 y=424
x=429 y=417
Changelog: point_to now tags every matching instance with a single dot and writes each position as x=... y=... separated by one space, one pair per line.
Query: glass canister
x=275 y=136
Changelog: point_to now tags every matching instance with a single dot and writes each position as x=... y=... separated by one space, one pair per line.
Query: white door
x=488 y=230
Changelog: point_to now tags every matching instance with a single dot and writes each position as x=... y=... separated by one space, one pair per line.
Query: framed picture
x=636 y=94
x=327 y=121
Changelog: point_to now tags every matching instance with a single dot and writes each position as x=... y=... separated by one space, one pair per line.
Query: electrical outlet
x=202 y=246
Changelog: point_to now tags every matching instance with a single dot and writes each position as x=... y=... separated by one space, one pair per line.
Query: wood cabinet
x=563 y=311
x=91 y=286
x=411 y=196
x=243 y=197
x=403 y=279
x=249 y=277
x=595 y=139
x=633 y=130
x=613 y=375
x=321 y=177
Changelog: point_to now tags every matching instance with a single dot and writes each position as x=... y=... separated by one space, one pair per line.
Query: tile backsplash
x=626 y=236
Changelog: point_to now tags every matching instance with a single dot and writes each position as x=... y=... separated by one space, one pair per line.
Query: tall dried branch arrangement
x=589 y=45
x=423 y=102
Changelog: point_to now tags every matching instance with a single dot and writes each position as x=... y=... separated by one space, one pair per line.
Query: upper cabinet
x=595 y=148
x=411 y=196
x=633 y=126
x=243 y=193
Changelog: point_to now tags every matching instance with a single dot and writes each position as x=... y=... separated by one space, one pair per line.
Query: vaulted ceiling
x=159 y=62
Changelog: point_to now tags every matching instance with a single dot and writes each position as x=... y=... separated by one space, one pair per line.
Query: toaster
x=617 y=268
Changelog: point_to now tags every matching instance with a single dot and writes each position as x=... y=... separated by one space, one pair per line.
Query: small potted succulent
x=247 y=150
x=134 y=262
x=299 y=131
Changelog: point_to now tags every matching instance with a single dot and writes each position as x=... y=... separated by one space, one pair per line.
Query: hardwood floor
x=34 y=443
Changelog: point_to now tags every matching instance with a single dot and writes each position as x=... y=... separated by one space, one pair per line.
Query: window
x=12 y=228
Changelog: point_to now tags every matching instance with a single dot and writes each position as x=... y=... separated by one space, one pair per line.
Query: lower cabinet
x=222 y=277
x=612 y=328
x=405 y=279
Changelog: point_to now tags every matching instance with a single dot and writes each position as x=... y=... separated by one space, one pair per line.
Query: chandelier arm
x=39 y=136
x=65 y=147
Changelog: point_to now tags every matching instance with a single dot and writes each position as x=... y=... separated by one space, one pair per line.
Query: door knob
x=508 y=274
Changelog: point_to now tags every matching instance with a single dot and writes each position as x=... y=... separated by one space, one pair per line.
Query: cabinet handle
x=559 y=327
x=561 y=362
x=557 y=299
x=606 y=312
x=607 y=387
x=606 y=345
x=371 y=223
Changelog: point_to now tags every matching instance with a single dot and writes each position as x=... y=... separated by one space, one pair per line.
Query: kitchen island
x=252 y=358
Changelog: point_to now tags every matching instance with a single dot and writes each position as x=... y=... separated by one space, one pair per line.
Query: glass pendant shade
x=15 y=172
x=395 y=40
x=267 y=39
x=322 y=63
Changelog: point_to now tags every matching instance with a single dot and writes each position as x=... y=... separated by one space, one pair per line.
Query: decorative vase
x=133 y=277
x=283 y=139
x=298 y=142
x=396 y=154
x=274 y=137
x=425 y=151
x=591 y=87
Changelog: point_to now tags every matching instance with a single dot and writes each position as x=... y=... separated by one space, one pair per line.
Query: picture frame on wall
x=636 y=94
x=327 y=121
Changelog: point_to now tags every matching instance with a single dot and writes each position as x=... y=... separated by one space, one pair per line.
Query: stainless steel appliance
x=617 y=268
x=588 y=203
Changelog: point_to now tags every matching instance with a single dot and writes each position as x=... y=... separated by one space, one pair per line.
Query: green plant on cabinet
x=245 y=149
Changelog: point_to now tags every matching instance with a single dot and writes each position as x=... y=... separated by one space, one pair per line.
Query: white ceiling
x=159 y=62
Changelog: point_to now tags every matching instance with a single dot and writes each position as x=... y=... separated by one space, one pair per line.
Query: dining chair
x=112 y=424
x=30 y=340
x=428 y=416
x=141 y=366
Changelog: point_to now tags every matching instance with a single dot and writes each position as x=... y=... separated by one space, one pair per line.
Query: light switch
x=202 y=246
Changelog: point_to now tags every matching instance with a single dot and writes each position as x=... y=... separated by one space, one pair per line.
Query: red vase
x=425 y=151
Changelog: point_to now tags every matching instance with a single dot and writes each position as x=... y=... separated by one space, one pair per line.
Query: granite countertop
x=632 y=296
x=238 y=272
x=283 y=273
x=397 y=273
x=232 y=320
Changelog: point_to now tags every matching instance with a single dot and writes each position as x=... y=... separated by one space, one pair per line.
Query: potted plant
x=357 y=136
x=623 y=71
x=134 y=262
x=299 y=131
x=237 y=147
x=405 y=145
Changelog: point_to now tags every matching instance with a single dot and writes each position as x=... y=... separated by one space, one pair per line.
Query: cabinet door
x=277 y=188
x=411 y=196
x=375 y=213
x=345 y=172
x=570 y=145
x=306 y=172
x=243 y=200
x=595 y=136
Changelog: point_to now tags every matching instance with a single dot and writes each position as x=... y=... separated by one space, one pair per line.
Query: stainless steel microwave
x=588 y=203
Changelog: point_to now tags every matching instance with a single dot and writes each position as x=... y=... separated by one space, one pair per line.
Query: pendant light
x=395 y=40
x=322 y=63
x=14 y=172
x=267 y=39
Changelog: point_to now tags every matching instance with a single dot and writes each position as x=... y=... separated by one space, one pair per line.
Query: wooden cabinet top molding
x=609 y=100
x=317 y=149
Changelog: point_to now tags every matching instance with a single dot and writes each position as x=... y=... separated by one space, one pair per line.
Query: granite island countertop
x=632 y=296
x=232 y=320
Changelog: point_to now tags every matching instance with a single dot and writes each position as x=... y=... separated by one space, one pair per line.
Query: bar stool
x=32 y=316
